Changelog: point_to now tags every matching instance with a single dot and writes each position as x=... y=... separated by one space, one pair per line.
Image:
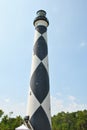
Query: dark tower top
x=41 y=15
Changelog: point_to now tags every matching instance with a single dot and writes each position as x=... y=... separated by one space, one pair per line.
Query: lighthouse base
x=27 y=123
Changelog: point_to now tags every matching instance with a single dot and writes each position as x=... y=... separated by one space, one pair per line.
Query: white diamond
x=33 y=104
x=45 y=36
x=36 y=36
x=35 y=62
x=45 y=63
x=46 y=106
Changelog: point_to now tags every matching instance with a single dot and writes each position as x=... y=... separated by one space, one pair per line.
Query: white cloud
x=75 y=107
x=59 y=94
x=7 y=100
x=82 y=44
x=17 y=108
x=72 y=98
x=56 y=105
x=70 y=105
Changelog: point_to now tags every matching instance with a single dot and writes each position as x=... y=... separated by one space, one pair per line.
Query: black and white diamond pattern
x=39 y=96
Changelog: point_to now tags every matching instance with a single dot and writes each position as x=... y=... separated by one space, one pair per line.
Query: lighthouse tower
x=38 y=111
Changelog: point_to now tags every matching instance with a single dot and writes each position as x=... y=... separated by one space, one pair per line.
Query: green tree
x=1 y=113
x=70 y=121
x=8 y=122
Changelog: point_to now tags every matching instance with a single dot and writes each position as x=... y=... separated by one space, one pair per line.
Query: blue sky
x=67 y=43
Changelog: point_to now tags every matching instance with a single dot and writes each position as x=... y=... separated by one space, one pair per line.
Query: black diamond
x=40 y=48
x=40 y=83
x=41 y=29
x=39 y=120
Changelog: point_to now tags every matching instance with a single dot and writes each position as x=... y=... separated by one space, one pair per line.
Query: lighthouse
x=38 y=108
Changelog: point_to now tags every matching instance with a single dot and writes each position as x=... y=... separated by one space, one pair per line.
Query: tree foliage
x=1 y=113
x=61 y=121
x=70 y=121
x=9 y=123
